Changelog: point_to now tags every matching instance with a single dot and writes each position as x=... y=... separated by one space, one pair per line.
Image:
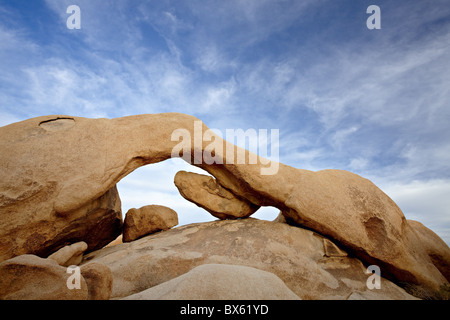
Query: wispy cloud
x=424 y=201
x=373 y=102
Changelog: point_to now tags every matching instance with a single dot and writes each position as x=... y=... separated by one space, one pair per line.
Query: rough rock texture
x=39 y=158
x=435 y=247
x=297 y=256
x=69 y=255
x=28 y=277
x=207 y=193
x=359 y=216
x=146 y=220
x=59 y=173
x=99 y=281
x=220 y=282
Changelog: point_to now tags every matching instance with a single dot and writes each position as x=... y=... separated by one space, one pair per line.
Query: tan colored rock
x=99 y=281
x=438 y=252
x=332 y=250
x=360 y=217
x=69 y=255
x=28 y=277
x=435 y=247
x=285 y=219
x=59 y=173
x=220 y=282
x=118 y=240
x=368 y=295
x=297 y=256
x=207 y=193
x=147 y=220
x=39 y=157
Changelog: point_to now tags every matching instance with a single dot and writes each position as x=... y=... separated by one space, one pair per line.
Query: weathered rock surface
x=69 y=255
x=146 y=220
x=295 y=255
x=38 y=159
x=207 y=193
x=439 y=254
x=359 y=216
x=220 y=282
x=435 y=247
x=28 y=277
x=59 y=173
x=99 y=281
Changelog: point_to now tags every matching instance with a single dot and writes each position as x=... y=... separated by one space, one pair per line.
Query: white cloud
x=211 y=60
x=424 y=201
x=339 y=137
x=378 y=107
x=6 y=118
x=153 y=184
x=358 y=164
x=61 y=88
x=218 y=97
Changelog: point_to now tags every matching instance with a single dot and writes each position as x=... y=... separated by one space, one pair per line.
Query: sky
x=375 y=102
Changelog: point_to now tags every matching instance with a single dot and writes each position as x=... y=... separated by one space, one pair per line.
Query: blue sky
x=374 y=102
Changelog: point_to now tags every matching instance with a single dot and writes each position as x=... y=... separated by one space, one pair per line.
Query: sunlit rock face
x=58 y=177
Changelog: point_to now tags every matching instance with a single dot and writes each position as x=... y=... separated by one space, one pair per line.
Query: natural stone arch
x=55 y=181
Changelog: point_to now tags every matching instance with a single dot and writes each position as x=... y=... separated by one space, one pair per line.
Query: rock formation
x=299 y=257
x=147 y=220
x=28 y=277
x=59 y=173
x=99 y=281
x=220 y=282
x=207 y=193
x=69 y=255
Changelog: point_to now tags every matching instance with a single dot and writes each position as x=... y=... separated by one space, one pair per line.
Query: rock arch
x=58 y=187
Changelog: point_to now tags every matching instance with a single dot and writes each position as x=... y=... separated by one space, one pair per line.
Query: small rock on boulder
x=69 y=255
x=207 y=193
x=148 y=220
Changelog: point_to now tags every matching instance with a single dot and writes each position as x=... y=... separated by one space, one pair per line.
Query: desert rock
x=28 y=277
x=69 y=255
x=38 y=158
x=207 y=193
x=435 y=247
x=59 y=175
x=147 y=220
x=363 y=219
x=220 y=282
x=118 y=240
x=99 y=281
x=295 y=255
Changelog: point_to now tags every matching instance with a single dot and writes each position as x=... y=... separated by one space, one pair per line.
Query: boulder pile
x=59 y=208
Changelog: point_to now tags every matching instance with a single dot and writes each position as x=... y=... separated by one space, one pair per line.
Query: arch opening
x=154 y=184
